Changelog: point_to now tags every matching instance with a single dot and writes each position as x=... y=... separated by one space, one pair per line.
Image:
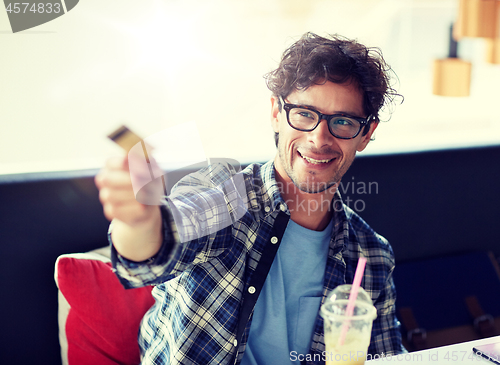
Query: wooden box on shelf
x=451 y=77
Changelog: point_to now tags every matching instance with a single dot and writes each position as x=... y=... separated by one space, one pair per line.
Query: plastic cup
x=353 y=349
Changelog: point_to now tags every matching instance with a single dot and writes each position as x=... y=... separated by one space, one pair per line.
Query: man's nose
x=321 y=135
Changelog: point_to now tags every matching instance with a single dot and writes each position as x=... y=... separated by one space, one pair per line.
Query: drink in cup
x=347 y=337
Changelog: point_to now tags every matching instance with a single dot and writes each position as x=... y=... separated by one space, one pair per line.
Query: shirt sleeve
x=201 y=205
x=386 y=333
x=133 y=274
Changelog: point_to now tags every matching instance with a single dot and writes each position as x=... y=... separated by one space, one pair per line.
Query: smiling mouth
x=313 y=161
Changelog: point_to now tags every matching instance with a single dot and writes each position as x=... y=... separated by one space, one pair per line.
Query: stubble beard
x=309 y=185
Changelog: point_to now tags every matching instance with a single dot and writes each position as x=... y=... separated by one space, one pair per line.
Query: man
x=249 y=291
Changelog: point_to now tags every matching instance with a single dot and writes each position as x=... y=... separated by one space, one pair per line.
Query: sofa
x=429 y=205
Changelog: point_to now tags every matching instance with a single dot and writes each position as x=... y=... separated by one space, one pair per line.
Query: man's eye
x=342 y=121
x=306 y=114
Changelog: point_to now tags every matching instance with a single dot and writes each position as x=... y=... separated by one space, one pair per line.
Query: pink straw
x=352 y=297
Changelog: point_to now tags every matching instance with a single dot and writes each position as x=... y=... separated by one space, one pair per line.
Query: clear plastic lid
x=335 y=304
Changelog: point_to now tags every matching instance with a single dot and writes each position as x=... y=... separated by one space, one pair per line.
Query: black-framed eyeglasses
x=306 y=119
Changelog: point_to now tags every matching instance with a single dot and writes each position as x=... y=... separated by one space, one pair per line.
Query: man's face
x=316 y=160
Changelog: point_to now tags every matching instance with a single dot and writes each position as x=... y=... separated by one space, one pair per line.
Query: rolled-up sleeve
x=133 y=274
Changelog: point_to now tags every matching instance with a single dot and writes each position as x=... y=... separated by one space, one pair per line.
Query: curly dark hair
x=314 y=60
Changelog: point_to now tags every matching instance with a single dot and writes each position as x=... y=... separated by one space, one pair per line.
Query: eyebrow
x=316 y=109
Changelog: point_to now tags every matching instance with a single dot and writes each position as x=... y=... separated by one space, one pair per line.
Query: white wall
x=155 y=64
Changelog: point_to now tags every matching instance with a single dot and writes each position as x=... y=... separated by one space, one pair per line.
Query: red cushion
x=103 y=321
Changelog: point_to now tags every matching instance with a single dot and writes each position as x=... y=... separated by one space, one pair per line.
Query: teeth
x=312 y=160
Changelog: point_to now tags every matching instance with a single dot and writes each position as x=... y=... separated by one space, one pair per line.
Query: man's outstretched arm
x=137 y=228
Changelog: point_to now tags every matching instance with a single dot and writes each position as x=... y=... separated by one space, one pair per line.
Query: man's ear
x=367 y=137
x=275 y=112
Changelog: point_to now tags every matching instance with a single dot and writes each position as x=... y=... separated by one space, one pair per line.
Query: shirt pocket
x=306 y=319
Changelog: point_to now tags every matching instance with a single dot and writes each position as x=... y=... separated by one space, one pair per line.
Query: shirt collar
x=272 y=196
x=340 y=231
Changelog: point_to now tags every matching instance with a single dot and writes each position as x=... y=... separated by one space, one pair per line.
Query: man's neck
x=311 y=211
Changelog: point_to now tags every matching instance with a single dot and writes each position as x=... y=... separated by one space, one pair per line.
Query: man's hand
x=136 y=232
x=117 y=196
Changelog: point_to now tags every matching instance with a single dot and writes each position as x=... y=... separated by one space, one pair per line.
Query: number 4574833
x=24 y=8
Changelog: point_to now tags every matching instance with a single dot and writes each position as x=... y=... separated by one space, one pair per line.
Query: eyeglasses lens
x=307 y=120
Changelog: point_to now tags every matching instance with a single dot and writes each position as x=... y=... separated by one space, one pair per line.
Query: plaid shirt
x=207 y=280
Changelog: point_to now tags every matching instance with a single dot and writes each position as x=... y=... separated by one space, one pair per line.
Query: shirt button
x=235 y=342
x=251 y=290
x=267 y=209
x=274 y=240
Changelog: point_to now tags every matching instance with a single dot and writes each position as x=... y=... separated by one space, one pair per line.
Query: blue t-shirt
x=285 y=313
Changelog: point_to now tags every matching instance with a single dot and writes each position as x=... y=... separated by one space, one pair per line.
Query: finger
x=127 y=213
x=152 y=193
x=116 y=196
x=117 y=163
x=113 y=164
x=141 y=168
x=114 y=179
